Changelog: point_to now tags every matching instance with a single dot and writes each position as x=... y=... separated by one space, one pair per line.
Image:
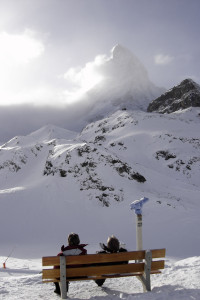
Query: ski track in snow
x=179 y=280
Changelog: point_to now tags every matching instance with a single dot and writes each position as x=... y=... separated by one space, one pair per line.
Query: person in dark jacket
x=74 y=248
x=113 y=246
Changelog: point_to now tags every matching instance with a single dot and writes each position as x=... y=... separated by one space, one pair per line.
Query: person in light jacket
x=74 y=248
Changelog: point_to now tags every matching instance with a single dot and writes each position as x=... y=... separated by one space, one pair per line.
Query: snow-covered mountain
x=54 y=181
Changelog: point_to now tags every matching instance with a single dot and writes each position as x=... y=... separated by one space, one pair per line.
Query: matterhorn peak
x=127 y=64
x=119 y=51
x=126 y=84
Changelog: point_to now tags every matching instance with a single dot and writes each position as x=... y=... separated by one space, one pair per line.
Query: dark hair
x=113 y=243
x=73 y=239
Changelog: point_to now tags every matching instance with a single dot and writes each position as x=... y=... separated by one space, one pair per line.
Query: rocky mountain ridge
x=182 y=96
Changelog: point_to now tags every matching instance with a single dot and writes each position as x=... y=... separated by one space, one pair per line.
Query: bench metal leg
x=63 y=287
x=145 y=278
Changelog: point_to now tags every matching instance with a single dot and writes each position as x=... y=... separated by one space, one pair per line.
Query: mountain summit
x=127 y=66
x=125 y=84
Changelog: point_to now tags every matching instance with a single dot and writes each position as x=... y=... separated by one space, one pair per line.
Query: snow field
x=178 y=281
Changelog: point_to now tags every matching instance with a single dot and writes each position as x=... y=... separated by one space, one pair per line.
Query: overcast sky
x=48 y=49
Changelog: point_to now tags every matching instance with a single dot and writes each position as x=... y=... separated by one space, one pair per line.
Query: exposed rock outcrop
x=184 y=95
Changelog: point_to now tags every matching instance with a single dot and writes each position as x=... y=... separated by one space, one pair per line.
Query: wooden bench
x=93 y=266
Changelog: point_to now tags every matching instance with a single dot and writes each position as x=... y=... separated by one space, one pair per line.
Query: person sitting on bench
x=113 y=246
x=74 y=248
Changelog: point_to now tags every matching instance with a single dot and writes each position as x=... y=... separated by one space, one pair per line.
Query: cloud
x=18 y=53
x=53 y=105
x=25 y=79
x=162 y=59
x=19 y=48
x=81 y=79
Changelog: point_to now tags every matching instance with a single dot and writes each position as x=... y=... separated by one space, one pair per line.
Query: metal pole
x=139 y=233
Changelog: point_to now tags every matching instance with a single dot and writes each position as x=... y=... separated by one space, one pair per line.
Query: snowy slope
x=85 y=183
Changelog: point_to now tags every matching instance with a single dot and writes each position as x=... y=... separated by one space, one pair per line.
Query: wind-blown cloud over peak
x=125 y=83
x=116 y=76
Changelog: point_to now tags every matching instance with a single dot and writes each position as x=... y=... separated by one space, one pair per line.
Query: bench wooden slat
x=112 y=269
x=99 y=270
x=102 y=258
x=51 y=261
x=102 y=277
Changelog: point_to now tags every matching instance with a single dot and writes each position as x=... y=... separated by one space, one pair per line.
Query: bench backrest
x=96 y=265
